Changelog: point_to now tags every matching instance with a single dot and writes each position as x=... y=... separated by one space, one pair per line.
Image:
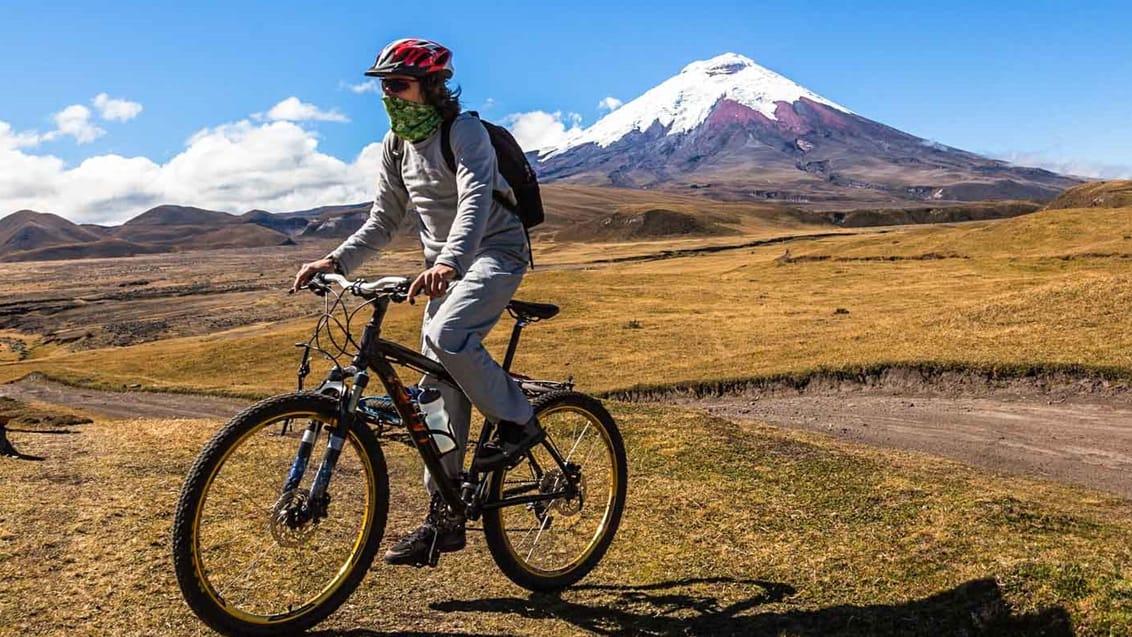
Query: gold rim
x=259 y=528
x=518 y=551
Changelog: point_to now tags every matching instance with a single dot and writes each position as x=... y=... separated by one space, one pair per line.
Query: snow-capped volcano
x=684 y=101
x=735 y=130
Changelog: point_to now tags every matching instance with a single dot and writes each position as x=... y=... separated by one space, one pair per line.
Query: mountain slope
x=168 y=215
x=1101 y=194
x=34 y=236
x=731 y=129
x=28 y=230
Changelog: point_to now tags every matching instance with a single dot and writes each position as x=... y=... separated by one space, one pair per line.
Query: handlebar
x=395 y=288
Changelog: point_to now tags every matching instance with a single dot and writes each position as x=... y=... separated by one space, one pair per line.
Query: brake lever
x=319 y=288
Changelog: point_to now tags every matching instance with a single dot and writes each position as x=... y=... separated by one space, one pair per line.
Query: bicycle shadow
x=7 y=450
x=363 y=632
x=976 y=607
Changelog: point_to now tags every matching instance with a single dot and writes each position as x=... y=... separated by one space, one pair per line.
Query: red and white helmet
x=414 y=57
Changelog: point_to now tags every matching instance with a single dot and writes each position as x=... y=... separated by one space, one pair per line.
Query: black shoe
x=440 y=533
x=511 y=441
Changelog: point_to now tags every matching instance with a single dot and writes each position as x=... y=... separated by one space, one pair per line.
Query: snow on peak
x=684 y=101
x=726 y=64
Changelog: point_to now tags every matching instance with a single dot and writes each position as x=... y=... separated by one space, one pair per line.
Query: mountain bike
x=266 y=543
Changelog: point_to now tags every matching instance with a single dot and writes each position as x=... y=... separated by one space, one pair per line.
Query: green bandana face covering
x=411 y=121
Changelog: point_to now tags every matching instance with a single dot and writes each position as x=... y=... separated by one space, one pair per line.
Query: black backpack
x=514 y=167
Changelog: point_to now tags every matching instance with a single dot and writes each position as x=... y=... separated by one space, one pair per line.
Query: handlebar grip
x=331 y=277
x=394 y=287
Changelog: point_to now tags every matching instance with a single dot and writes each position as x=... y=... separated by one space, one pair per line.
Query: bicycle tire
x=552 y=409
x=361 y=461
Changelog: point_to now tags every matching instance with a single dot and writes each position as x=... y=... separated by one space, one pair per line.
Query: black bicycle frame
x=379 y=355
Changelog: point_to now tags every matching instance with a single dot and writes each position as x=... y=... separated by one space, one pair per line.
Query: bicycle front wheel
x=549 y=544
x=250 y=559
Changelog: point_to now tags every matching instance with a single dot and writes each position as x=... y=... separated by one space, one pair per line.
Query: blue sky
x=1041 y=83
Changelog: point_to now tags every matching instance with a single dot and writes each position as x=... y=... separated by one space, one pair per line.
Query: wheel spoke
x=242 y=578
x=577 y=440
x=585 y=461
x=541 y=528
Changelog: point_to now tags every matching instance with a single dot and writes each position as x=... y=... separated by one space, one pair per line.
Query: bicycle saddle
x=527 y=311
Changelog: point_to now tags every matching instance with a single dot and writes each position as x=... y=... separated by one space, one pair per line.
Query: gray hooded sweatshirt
x=457 y=216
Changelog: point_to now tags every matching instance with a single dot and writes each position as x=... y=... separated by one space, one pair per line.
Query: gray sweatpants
x=452 y=334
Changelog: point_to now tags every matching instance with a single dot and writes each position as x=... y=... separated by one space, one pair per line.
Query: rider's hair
x=434 y=88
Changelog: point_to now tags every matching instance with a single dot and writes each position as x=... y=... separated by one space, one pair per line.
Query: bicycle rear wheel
x=551 y=544
x=246 y=559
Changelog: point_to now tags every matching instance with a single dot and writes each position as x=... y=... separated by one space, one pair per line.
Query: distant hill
x=169 y=215
x=245 y=235
x=574 y=213
x=287 y=224
x=656 y=223
x=336 y=221
x=974 y=211
x=29 y=230
x=101 y=249
x=1100 y=194
x=35 y=236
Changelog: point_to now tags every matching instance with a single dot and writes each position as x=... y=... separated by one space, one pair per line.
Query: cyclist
x=475 y=254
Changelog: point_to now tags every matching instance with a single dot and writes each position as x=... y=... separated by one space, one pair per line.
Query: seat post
x=513 y=344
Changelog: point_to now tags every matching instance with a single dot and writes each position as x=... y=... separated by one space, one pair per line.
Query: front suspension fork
x=347 y=411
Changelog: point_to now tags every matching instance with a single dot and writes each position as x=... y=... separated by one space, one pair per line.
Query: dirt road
x=128 y=404
x=1080 y=439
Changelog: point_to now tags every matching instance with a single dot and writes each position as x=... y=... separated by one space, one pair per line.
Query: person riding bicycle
x=475 y=254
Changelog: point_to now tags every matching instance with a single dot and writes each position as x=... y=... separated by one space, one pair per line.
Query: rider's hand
x=307 y=272
x=433 y=281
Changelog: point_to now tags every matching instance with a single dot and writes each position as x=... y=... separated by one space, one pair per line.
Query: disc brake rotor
x=554 y=481
x=290 y=526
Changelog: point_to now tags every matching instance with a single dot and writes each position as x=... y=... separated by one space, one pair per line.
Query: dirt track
x=129 y=404
x=1085 y=439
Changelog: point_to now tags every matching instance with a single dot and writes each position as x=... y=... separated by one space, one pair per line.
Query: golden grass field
x=731 y=528
x=1050 y=288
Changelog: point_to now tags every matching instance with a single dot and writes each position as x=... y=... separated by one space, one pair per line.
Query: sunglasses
x=395 y=85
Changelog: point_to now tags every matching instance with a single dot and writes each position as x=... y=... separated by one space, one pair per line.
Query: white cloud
x=294 y=110
x=113 y=109
x=10 y=139
x=368 y=86
x=74 y=121
x=1077 y=167
x=609 y=104
x=233 y=167
x=539 y=130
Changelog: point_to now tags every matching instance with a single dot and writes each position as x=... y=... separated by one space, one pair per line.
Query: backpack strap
x=446 y=143
x=399 y=151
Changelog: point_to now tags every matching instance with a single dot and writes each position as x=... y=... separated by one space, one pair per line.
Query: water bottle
x=436 y=419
